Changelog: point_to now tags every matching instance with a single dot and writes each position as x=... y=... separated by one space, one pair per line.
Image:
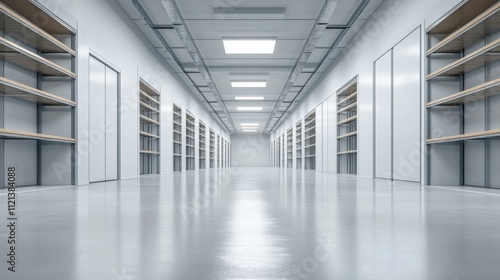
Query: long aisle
x=253 y=223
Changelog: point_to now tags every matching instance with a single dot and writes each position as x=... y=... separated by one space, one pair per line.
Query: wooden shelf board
x=177 y=155
x=350 y=134
x=17 y=26
x=20 y=56
x=468 y=136
x=146 y=106
x=349 y=88
x=309 y=129
x=15 y=134
x=309 y=146
x=348 y=107
x=10 y=88
x=310 y=156
x=149 y=135
x=146 y=119
x=177 y=142
x=347 y=152
x=149 y=97
x=472 y=94
x=27 y=9
x=309 y=137
x=460 y=16
x=349 y=120
x=483 y=25
x=149 y=152
x=488 y=53
x=348 y=98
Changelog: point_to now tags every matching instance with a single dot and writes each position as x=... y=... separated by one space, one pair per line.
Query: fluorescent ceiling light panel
x=249 y=84
x=249 y=46
x=249 y=98
x=250 y=124
x=249 y=108
x=249 y=130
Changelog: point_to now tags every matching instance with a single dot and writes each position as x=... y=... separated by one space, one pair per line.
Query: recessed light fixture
x=249 y=84
x=249 y=108
x=249 y=127
x=249 y=98
x=249 y=46
x=250 y=124
x=249 y=130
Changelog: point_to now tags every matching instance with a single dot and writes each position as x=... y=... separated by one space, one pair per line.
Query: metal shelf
x=18 y=55
x=10 y=88
x=36 y=37
x=23 y=135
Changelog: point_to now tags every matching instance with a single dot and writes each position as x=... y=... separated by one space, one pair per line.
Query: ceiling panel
x=283 y=29
x=302 y=79
x=317 y=56
x=344 y=11
x=156 y=11
x=173 y=40
x=294 y=9
x=329 y=37
x=197 y=79
x=183 y=56
x=144 y=27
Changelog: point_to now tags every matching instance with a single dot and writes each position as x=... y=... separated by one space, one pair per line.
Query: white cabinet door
x=407 y=88
x=97 y=116
x=383 y=116
x=112 y=124
x=103 y=122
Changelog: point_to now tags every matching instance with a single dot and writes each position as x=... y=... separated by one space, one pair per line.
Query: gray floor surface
x=253 y=223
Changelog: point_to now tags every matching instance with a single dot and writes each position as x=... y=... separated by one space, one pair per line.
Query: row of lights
x=249 y=46
x=250 y=127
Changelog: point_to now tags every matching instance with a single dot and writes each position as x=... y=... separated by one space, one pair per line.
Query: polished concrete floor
x=255 y=223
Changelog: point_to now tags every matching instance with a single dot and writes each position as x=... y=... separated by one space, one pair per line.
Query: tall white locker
x=103 y=122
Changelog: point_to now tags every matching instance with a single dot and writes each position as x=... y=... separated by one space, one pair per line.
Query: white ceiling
x=294 y=23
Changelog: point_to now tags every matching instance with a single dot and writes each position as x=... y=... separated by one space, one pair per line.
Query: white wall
x=391 y=22
x=105 y=29
x=250 y=150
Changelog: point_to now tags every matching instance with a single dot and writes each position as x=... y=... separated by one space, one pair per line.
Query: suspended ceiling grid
x=310 y=34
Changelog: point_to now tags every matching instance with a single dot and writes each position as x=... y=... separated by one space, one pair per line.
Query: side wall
x=104 y=29
x=392 y=21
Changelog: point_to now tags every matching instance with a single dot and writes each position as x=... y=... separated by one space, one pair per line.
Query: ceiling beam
x=149 y=21
x=312 y=41
x=298 y=96
x=183 y=32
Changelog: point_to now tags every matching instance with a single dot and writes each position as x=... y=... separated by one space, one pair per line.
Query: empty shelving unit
x=310 y=141
x=347 y=119
x=278 y=145
x=463 y=129
x=190 y=142
x=298 y=144
x=212 y=149
x=218 y=147
x=37 y=96
x=177 y=138
x=289 y=147
x=149 y=129
x=202 y=139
